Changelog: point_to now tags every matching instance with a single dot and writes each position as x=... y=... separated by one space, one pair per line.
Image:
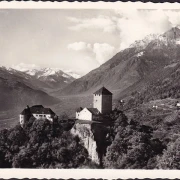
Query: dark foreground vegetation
x=41 y=145
x=138 y=146
x=130 y=145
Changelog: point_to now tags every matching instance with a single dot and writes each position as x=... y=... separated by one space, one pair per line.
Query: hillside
x=135 y=68
x=46 y=79
x=42 y=144
x=53 y=78
x=165 y=86
x=15 y=92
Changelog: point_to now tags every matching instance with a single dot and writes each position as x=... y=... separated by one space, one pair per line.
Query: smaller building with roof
x=37 y=111
x=102 y=104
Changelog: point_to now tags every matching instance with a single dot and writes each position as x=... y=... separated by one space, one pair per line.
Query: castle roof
x=35 y=110
x=103 y=91
x=94 y=111
x=26 y=111
x=79 y=109
x=38 y=109
x=37 y=106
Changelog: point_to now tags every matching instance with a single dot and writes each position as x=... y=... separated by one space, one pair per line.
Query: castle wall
x=77 y=115
x=106 y=103
x=43 y=116
x=85 y=115
x=103 y=103
x=98 y=102
x=21 y=119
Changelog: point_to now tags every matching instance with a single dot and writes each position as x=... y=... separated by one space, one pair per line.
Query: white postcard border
x=87 y=173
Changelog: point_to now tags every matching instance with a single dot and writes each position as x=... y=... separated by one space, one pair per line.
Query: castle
x=38 y=112
x=102 y=104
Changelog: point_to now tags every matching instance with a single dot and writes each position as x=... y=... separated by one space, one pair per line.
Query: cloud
x=25 y=67
x=131 y=25
x=174 y=17
x=138 y=24
x=125 y=26
x=101 y=51
x=78 y=46
x=101 y=22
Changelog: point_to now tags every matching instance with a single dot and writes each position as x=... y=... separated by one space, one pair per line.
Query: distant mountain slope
x=27 y=79
x=45 y=79
x=173 y=33
x=51 y=77
x=166 y=86
x=136 y=67
x=16 y=93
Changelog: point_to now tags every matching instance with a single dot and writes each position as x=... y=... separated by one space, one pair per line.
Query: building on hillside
x=88 y=114
x=37 y=111
x=102 y=104
x=178 y=105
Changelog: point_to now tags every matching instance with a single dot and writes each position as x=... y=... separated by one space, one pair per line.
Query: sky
x=79 y=40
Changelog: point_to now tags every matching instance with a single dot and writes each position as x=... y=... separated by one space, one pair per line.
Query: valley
x=8 y=119
x=142 y=118
x=146 y=71
x=90 y=88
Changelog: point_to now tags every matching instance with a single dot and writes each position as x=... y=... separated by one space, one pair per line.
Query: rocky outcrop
x=93 y=137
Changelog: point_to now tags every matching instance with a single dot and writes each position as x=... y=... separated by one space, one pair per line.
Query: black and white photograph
x=90 y=88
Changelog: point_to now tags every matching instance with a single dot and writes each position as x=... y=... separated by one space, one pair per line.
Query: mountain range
x=19 y=88
x=53 y=77
x=146 y=61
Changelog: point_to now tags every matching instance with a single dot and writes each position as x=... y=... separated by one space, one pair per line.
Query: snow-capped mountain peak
x=43 y=77
x=25 y=67
x=142 y=44
x=35 y=70
x=73 y=74
x=171 y=36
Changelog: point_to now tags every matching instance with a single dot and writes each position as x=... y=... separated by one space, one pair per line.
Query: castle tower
x=103 y=100
x=24 y=116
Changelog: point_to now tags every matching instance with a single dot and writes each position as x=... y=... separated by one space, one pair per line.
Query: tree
x=23 y=159
x=16 y=138
x=133 y=147
x=171 y=157
x=4 y=149
x=40 y=144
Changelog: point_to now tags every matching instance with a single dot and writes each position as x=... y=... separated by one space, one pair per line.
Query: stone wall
x=106 y=103
x=97 y=102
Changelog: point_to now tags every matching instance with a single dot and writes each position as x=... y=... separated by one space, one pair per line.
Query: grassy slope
x=164 y=119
